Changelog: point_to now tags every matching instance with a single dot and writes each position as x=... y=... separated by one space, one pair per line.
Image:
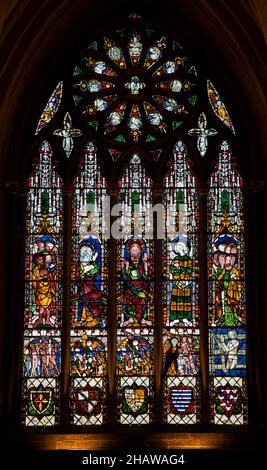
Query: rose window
x=135 y=84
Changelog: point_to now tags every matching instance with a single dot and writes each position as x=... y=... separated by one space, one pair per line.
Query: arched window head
x=88 y=362
x=227 y=322
x=135 y=287
x=43 y=294
x=181 y=334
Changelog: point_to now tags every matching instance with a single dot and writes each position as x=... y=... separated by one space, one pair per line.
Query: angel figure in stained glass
x=136 y=293
x=229 y=351
x=181 y=268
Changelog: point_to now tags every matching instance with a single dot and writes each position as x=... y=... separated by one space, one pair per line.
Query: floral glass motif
x=98 y=105
x=154 y=117
x=170 y=104
x=135 y=287
x=67 y=134
x=218 y=106
x=155 y=53
x=174 y=85
x=88 y=294
x=181 y=365
x=202 y=134
x=51 y=107
x=93 y=86
x=43 y=294
x=114 y=53
x=131 y=82
x=170 y=67
x=115 y=118
x=226 y=267
x=99 y=67
x=135 y=86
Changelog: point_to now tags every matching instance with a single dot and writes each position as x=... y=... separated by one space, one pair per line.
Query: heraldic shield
x=135 y=400
x=41 y=401
x=181 y=399
x=88 y=401
x=229 y=401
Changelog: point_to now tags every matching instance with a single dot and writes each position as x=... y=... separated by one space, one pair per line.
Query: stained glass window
x=181 y=340
x=136 y=102
x=43 y=294
x=227 y=323
x=135 y=287
x=88 y=364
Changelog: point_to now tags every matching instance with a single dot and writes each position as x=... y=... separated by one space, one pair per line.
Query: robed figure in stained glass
x=135 y=274
x=43 y=277
x=44 y=290
x=228 y=286
x=90 y=299
x=181 y=268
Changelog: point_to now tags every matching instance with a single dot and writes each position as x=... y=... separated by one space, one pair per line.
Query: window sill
x=245 y=437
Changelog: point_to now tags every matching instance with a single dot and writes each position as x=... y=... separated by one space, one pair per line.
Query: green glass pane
x=150 y=138
x=225 y=201
x=120 y=138
x=90 y=197
x=93 y=46
x=45 y=202
x=149 y=32
x=192 y=100
x=93 y=124
x=179 y=199
x=135 y=199
x=176 y=124
x=77 y=99
x=176 y=45
x=193 y=71
x=121 y=32
x=77 y=71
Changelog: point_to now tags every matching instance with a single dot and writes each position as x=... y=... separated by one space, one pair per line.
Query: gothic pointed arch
x=137 y=86
x=230 y=101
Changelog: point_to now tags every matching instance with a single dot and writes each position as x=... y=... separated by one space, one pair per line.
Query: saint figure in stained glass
x=228 y=286
x=44 y=290
x=181 y=268
x=89 y=296
x=135 y=274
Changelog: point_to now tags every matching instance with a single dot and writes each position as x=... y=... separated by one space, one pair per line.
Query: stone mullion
x=203 y=304
x=112 y=319
x=65 y=335
x=158 y=316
